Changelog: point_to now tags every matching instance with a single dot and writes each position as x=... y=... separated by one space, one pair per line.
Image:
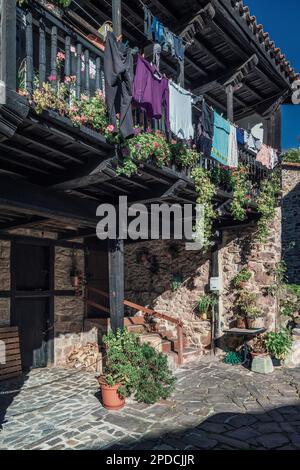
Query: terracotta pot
x=256 y=354
x=256 y=322
x=241 y=323
x=110 y=397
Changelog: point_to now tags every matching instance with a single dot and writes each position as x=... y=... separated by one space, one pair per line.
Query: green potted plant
x=205 y=304
x=248 y=312
x=279 y=344
x=241 y=279
x=133 y=369
x=261 y=360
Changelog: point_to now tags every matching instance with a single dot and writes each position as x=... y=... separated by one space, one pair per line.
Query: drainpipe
x=216 y=314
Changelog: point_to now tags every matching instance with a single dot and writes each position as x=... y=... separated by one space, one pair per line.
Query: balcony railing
x=43 y=34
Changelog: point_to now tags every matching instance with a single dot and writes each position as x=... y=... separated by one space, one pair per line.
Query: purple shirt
x=151 y=90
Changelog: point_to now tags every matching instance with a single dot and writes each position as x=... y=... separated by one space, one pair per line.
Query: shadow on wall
x=291 y=234
x=278 y=428
x=9 y=389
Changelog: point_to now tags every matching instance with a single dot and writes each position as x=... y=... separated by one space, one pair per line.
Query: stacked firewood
x=86 y=357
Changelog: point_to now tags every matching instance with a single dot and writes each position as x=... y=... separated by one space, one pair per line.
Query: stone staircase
x=161 y=339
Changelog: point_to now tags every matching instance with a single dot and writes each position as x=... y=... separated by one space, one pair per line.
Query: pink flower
x=77 y=119
x=156 y=145
x=83 y=119
x=137 y=131
x=248 y=197
x=99 y=93
x=70 y=79
x=52 y=78
x=60 y=56
x=73 y=109
x=22 y=92
x=110 y=128
x=84 y=97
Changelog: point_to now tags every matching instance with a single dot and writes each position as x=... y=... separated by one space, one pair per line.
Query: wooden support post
x=8 y=35
x=42 y=53
x=117 y=17
x=54 y=54
x=78 y=71
x=29 y=54
x=229 y=93
x=116 y=283
x=68 y=56
x=98 y=74
x=87 y=72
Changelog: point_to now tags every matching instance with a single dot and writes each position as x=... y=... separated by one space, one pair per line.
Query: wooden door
x=97 y=276
x=31 y=299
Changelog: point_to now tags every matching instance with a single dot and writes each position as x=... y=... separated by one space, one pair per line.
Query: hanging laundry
x=156 y=55
x=240 y=135
x=233 y=151
x=118 y=75
x=147 y=23
x=168 y=45
x=220 y=139
x=179 y=48
x=274 y=158
x=151 y=90
x=251 y=142
x=264 y=156
x=158 y=30
x=180 y=112
x=205 y=130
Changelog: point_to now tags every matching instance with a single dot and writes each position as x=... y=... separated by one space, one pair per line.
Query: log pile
x=86 y=357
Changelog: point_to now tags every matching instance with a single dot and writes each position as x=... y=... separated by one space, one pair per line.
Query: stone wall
x=154 y=289
x=240 y=250
x=291 y=220
x=4 y=281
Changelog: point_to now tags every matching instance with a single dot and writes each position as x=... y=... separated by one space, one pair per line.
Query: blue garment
x=240 y=135
x=220 y=143
x=179 y=47
x=158 y=30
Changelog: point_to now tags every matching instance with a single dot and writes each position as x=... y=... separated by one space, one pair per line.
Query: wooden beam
x=22 y=223
x=116 y=283
x=8 y=37
x=117 y=17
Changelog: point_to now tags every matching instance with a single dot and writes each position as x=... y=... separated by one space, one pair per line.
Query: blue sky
x=281 y=19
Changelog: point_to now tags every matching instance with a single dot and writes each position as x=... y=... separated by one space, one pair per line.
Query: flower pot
x=75 y=281
x=110 y=396
x=276 y=362
x=241 y=323
x=256 y=322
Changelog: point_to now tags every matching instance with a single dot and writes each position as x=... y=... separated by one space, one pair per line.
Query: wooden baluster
x=98 y=83
x=78 y=71
x=180 y=343
x=67 y=56
x=87 y=72
x=42 y=53
x=54 y=54
x=29 y=54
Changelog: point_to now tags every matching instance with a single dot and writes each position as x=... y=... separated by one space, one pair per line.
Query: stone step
x=154 y=340
x=139 y=329
x=166 y=346
x=190 y=354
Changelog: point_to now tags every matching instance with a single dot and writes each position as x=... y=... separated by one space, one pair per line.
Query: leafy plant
x=141 y=148
x=241 y=193
x=206 y=191
x=182 y=154
x=139 y=369
x=59 y=3
x=47 y=97
x=206 y=302
x=279 y=344
x=246 y=304
x=266 y=203
x=292 y=156
x=176 y=282
x=243 y=276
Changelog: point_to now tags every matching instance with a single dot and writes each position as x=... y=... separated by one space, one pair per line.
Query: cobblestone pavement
x=215 y=406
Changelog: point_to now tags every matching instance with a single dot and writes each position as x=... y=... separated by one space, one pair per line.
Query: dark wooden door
x=31 y=289
x=97 y=276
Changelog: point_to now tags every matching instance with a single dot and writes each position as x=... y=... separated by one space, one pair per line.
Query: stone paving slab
x=214 y=406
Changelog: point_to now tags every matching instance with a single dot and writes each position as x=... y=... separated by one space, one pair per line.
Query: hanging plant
x=266 y=202
x=206 y=191
x=184 y=155
x=241 y=198
x=141 y=148
x=59 y=3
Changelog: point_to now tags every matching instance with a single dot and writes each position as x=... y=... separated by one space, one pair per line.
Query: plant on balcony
x=59 y=3
x=279 y=344
x=241 y=198
x=183 y=154
x=144 y=146
x=47 y=97
x=206 y=191
x=292 y=156
x=221 y=176
x=91 y=112
x=134 y=369
x=266 y=202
